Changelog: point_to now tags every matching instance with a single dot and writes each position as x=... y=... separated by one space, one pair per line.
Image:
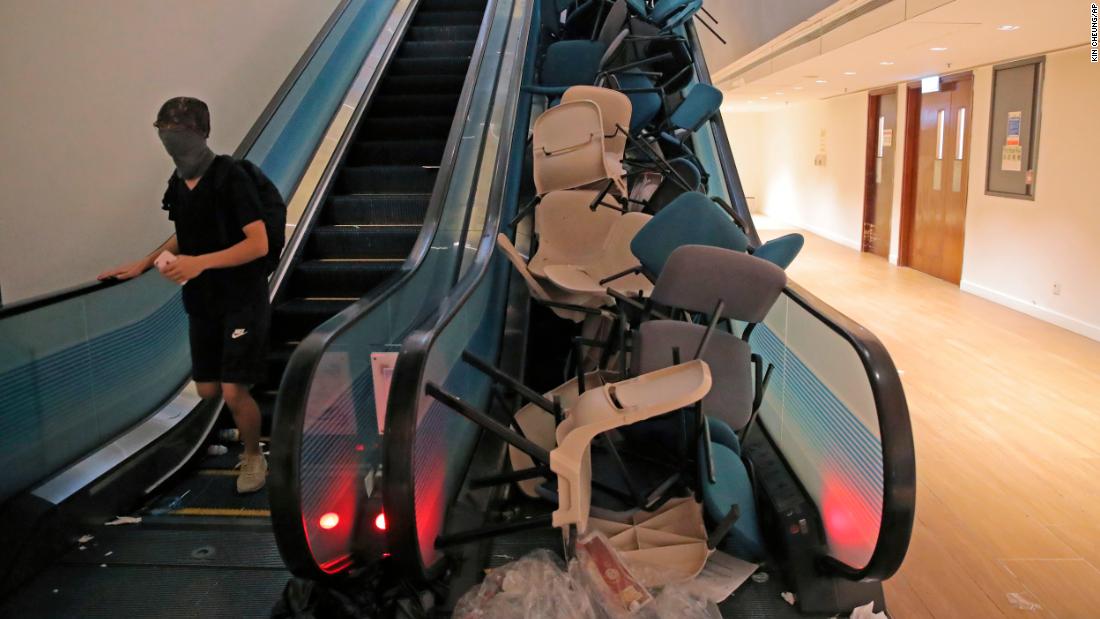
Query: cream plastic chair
x=614 y=258
x=569 y=305
x=569 y=150
x=606 y=408
x=569 y=231
x=615 y=112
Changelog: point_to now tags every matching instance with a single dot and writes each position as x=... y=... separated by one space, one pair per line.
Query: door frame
x=909 y=162
x=870 y=154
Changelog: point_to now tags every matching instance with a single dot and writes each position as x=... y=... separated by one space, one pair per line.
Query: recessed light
x=821 y=81
x=779 y=92
x=1007 y=27
x=937 y=49
x=798 y=88
x=849 y=73
x=762 y=98
x=886 y=63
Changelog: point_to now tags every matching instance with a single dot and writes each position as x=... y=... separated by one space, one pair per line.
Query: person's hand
x=126 y=271
x=184 y=269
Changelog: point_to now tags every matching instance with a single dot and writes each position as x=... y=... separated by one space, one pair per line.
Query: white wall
x=745 y=135
x=1016 y=250
x=826 y=200
x=81 y=169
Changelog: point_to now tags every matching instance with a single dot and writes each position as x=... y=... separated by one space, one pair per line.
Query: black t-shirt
x=210 y=218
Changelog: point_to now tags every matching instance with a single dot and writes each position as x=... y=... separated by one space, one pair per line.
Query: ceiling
x=858 y=45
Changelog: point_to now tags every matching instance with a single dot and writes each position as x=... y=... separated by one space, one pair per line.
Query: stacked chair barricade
x=643 y=440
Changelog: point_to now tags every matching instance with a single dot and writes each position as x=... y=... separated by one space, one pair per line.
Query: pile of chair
x=643 y=443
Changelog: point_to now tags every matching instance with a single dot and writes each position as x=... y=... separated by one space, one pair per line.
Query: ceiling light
x=849 y=73
x=779 y=92
x=798 y=88
x=762 y=98
x=821 y=81
x=886 y=63
x=1008 y=27
x=937 y=49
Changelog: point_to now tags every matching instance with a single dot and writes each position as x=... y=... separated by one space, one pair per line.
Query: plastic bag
x=536 y=585
x=675 y=603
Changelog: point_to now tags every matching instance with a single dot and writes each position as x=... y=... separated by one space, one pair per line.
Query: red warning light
x=330 y=520
x=380 y=522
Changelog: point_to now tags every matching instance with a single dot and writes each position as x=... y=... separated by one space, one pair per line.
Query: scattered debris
x=102 y=565
x=82 y=548
x=867 y=611
x=124 y=520
x=108 y=553
x=760 y=577
x=84 y=539
x=1019 y=601
x=788 y=597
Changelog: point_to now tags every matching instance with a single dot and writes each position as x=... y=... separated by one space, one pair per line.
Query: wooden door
x=879 y=187
x=939 y=205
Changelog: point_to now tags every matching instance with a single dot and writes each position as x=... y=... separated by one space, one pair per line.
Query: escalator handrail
x=406 y=387
x=294 y=388
x=57 y=296
x=895 y=429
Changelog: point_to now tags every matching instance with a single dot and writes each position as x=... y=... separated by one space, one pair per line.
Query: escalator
x=198 y=548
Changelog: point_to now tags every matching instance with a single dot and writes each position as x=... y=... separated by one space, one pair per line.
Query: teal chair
x=781 y=250
x=690 y=219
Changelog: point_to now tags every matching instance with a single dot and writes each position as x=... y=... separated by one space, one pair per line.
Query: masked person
x=219 y=245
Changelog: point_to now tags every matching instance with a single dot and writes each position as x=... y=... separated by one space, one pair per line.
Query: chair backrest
x=615 y=111
x=570 y=232
x=615 y=22
x=645 y=104
x=568 y=147
x=672 y=186
x=690 y=219
x=696 y=277
x=781 y=250
x=668 y=14
x=568 y=63
x=537 y=291
x=701 y=103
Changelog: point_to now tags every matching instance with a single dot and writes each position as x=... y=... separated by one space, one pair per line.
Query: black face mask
x=188 y=150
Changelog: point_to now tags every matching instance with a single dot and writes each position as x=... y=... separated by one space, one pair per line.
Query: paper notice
x=1012 y=136
x=1012 y=158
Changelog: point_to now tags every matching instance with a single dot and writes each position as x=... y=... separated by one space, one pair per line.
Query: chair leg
x=537 y=452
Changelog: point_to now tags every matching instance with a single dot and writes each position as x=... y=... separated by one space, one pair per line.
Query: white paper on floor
x=788 y=597
x=1019 y=601
x=124 y=520
x=867 y=611
x=721 y=576
x=84 y=539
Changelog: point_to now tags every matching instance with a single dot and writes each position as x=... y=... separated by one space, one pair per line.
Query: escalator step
x=447 y=18
x=406 y=128
x=316 y=278
x=453 y=5
x=390 y=242
x=387 y=179
x=407 y=105
x=430 y=66
x=294 y=319
x=405 y=209
x=436 y=49
x=423 y=84
x=406 y=152
x=442 y=33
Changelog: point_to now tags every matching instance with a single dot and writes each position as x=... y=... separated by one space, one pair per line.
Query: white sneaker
x=253 y=474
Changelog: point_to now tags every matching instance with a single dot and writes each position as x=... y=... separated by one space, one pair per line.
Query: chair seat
x=573 y=278
x=732 y=487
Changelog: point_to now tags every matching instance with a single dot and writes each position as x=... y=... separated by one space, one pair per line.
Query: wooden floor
x=1006 y=419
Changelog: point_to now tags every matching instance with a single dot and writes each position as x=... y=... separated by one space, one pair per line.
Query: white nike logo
x=238 y=333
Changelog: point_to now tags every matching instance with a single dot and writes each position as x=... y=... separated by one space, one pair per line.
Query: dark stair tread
x=407 y=152
x=455 y=65
x=426 y=83
x=428 y=104
x=387 y=179
x=377 y=208
x=362 y=241
x=435 y=49
x=442 y=33
x=406 y=128
x=447 y=18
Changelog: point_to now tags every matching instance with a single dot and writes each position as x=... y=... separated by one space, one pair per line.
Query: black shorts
x=230 y=348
